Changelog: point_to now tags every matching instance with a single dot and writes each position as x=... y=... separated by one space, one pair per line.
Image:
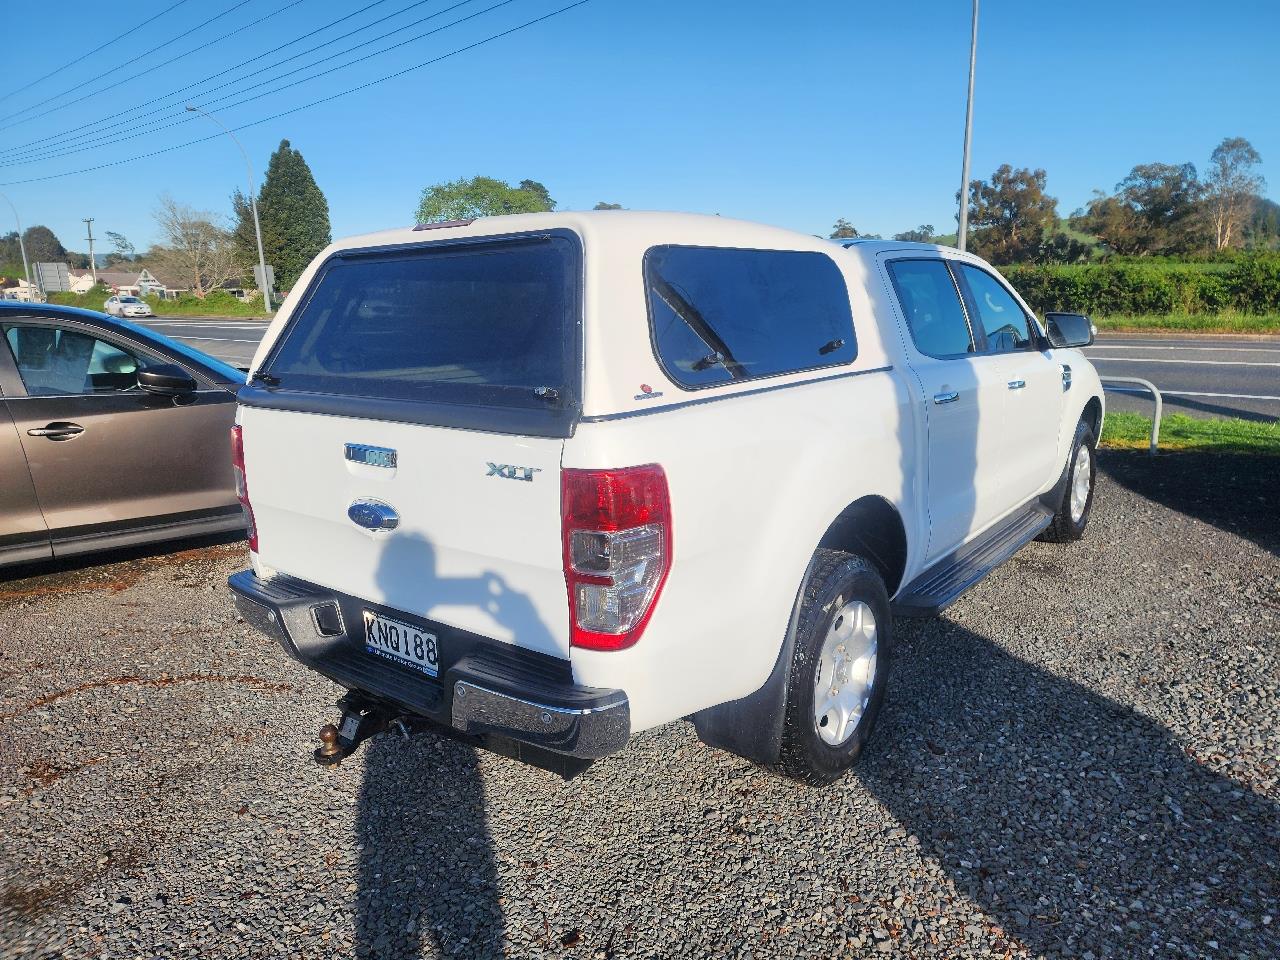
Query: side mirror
x=166 y=379
x=1069 y=329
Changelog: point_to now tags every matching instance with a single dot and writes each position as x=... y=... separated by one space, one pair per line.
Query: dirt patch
x=112 y=578
x=257 y=683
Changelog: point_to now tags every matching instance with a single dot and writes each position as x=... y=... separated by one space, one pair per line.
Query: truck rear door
x=402 y=438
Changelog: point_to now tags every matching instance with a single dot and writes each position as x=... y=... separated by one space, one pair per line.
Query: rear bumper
x=485 y=688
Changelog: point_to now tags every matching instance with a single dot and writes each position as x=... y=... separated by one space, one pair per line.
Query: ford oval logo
x=373 y=515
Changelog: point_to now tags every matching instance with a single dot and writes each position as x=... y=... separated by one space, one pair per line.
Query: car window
x=478 y=323
x=720 y=314
x=932 y=307
x=53 y=361
x=993 y=307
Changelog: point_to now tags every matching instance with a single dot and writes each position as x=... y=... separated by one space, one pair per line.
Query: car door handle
x=57 y=431
x=1017 y=384
x=950 y=396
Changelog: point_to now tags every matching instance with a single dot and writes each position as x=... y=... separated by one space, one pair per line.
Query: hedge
x=1250 y=285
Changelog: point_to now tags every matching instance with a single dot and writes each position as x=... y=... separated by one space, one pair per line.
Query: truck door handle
x=1017 y=384
x=58 y=430
x=950 y=396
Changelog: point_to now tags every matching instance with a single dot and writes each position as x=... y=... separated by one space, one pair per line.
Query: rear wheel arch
x=871 y=527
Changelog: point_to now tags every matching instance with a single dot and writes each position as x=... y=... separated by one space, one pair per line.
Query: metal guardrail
x=1155 y=393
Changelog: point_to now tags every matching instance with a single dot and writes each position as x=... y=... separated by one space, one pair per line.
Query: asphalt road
x=1076 y=760
x=1200 y=376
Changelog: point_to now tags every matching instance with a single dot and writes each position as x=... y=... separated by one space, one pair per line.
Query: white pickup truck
x=545 y=481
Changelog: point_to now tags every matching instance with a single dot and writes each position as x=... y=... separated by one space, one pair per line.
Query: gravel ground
x=1079 y=759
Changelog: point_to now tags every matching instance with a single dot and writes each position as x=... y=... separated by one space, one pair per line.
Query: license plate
x=403 y=642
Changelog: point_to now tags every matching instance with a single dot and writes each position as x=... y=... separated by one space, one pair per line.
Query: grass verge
x=1132 y=431
x=1225 y=322
x=217 y=304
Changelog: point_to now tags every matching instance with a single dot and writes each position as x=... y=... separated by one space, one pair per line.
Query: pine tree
x=294 y=215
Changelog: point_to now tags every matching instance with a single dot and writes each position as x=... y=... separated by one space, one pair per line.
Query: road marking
x=1100 y=346
x=1212 y=363
x=1193 y=393
x=231 y=340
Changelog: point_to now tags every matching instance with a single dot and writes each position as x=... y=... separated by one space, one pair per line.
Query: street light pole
x=963 y=233
x=253 y=201
x=22 y=245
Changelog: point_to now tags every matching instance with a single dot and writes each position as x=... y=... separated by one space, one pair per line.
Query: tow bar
x=360 y=720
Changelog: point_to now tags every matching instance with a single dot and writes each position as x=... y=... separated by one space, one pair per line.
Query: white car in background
x=127 y=307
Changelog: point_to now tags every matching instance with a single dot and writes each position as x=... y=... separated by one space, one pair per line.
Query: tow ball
x=360 y=720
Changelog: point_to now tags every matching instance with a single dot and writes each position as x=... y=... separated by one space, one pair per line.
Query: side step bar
x=942 y=584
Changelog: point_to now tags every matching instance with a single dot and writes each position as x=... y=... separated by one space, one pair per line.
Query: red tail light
x=242 y=485
x=617 y=552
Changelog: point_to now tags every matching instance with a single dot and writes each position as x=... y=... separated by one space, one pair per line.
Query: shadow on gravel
x=427 y=873
x=1083 y=825
x=88 y=563
x=1233 y=492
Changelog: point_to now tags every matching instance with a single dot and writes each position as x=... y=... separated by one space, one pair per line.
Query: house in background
x=141 y=282
x=81 y=281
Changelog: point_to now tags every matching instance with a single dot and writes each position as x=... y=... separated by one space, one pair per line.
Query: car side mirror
x=166 y=380
x=1069 y=329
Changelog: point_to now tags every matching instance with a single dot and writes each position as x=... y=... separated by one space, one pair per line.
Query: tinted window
x=993 y=307
x=719 y=314
x=932 y=307
x=483 y=323
x=54 y=361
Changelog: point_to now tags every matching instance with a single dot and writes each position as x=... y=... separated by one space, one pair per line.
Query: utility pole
x=93 y=264
x=963 y=233
x=22 y=244
x=253 y=201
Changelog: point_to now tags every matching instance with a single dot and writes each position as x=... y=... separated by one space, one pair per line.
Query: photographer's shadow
x=1081 y=814
x=427 y=868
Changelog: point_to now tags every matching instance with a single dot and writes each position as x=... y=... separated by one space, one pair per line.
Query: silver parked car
x=126 y=306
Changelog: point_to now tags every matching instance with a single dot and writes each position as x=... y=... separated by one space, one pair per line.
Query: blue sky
x=793 y=114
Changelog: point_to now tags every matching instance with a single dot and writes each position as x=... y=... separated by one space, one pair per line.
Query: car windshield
x=130 y=300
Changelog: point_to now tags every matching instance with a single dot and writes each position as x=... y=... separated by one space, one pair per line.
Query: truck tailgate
x=478 y=542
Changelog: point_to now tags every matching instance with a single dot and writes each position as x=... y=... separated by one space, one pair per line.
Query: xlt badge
x=508 y=471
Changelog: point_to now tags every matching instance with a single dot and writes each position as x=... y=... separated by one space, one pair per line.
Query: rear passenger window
x=931 y=306
x=720 y=314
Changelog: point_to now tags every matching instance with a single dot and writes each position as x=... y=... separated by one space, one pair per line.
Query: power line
x=199 y=26
x=313 y=103
x=182 y=117
x=56 y=141
x=85 y=56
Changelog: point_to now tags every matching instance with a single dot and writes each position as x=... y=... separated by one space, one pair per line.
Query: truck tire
x=839 y=666
x=1077 y=500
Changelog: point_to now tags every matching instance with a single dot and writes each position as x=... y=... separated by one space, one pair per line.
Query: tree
x=121 y=249
x=534 y=188
x=43 y=246
x=1155 y=210
x=607 y=206
x=844 y=230
x=481 y=197
x=195 y=248
x=1232 y=189
x=1262 y=231
x=294 y=215
x=1011 y=216
x=921 y=234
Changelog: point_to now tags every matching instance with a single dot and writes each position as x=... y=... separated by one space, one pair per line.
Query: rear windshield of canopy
x=487 y=323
